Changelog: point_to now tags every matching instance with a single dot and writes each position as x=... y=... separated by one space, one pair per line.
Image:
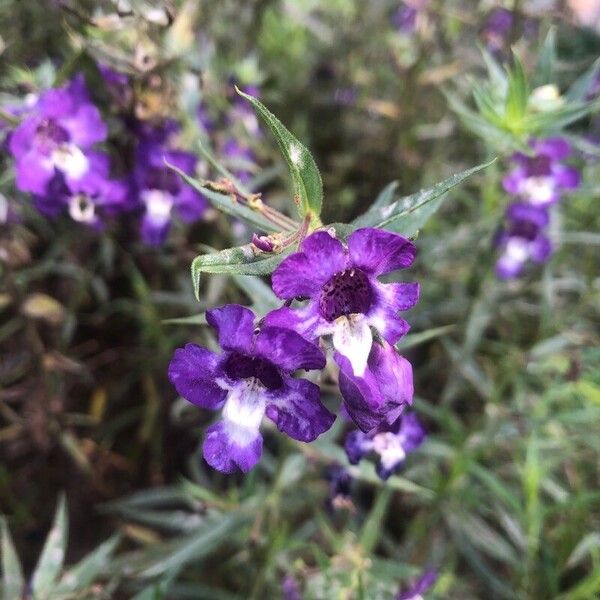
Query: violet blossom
x=160 y=190
x=541 y=178
x=392 y=443
x=55 y=137
x=251 y=378
x=420 y=587
x=522 y=239
x=405 y=17
x=340 y=484
x=345 y=297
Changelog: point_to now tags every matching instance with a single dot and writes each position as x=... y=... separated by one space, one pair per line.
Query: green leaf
x=88 y=569
x=261 y=294
x=407 y=215
x=581 y=87
x=558 y=118
x=241 y=260
x=226 y=204
x=547 y=59
x=414 y=339
x=306 y=179
x=12 y=572
x=517 y=94
x=53 y=554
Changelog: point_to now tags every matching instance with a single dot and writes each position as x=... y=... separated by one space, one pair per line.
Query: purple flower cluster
x=57 y=159
x=344 y=301
x=537 y=182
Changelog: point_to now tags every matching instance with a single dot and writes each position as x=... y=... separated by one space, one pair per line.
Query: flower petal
x=568 y=178
x=234 y=325
x=303 y=273
x=389 y=299
x=227 y=447
x=352 y=338
x=377 y=252
x=192 y=372
x=288 y=350
x=297 y=410
x=556 y=148
x=381 y=394
x=357 y=445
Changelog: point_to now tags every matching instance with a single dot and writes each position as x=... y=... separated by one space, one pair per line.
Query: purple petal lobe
x=297 y=410
x=227 y=448
x=288 y=349
x=192 y=372
x=234 y=325
x=378 y=252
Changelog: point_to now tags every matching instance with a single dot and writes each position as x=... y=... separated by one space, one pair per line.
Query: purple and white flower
x=522 y=239
x=420 y=587
x=392 y=443
x=55 y=137
x=541 y=178
x=160 y=191
x=345 y=296
x=251 y=378
x=87 y=199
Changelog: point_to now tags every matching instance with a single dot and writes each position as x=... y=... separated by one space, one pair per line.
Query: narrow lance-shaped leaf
x=53 y=554
x=517 y=94
x=12 y=572
x=242 y=260
x=306 y=179
x=407 y=215
x=228 y=205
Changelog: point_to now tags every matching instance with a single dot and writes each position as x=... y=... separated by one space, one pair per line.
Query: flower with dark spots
x=251 y=378
x=392 y=443
x=422 y=585
x=345 y=296
x=380 y=395
x=55 y=136
x=522 y=239
x=541 y=178
x=159 y=190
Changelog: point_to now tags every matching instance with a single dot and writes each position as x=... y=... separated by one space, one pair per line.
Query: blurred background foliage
x=503 y=497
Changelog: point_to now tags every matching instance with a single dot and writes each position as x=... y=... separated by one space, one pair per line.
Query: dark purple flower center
x=50 y=134
x=524 y=229
x=539 y=166
x=346 y=293
x=162 y=179
x=241 y=366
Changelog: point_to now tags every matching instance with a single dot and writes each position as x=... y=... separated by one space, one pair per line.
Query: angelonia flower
x=522 y=239
x=159 y=190
x=340 y=484
x=405 y=16
x=420 y=587
x=391 y=443
x=345 y=297
x=55 y=136
x=537 y=182
x=540 y=178
x=250 y=379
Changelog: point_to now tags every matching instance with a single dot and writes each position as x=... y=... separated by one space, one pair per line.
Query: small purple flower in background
x=242 y=111
x=240 y=159
x=541 y=178
x=340 y=484
x=160 y=191
x=420 y=587
x=249 y=379
x=522 y=239
x=497 y=28
x=88 y=199
x=55 y=136
x=391 y=442
x=345 y=297
x=290 y=590
x=404 y=18
x=206 y=122
x=117 y=84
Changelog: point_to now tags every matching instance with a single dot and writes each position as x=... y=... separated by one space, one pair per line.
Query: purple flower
x=497 y=28
x=249 y=379
x=422 y=585
x=290 y=590
x=340 y=483
x=87 y=199
x=117 y=84
x=160 y=191
x=391 y=442
x=345 y=297
x=382 y=392
x=404 y=18
x=522 y=239
x=55 y=137
x=540 y=178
